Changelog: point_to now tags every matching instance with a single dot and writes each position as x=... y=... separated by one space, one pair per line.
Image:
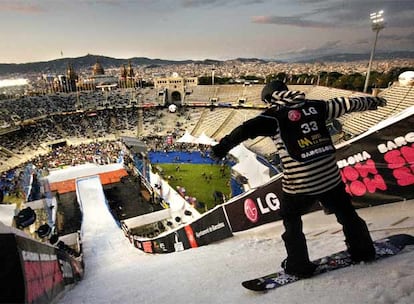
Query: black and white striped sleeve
x=339 y=106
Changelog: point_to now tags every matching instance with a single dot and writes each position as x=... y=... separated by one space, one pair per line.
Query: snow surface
x=88 y=169
x=116 y=272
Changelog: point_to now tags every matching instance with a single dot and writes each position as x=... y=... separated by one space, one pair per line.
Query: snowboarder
x=310 y=172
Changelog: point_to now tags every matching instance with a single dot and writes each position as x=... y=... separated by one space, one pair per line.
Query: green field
x=190 y=176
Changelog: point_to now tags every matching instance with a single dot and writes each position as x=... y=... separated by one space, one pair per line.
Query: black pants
x=336 y=200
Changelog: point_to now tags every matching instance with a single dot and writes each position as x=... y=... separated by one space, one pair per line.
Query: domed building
x=98 y=69
x=99 y=79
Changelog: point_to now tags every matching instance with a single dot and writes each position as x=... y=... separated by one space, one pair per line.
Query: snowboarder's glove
x=220 y=150
x=378 y=102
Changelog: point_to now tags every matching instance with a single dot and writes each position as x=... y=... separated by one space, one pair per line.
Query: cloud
x=335 y=13
x=107 y=2
x=328 y=47
x=21 y=7
x=199 y=3
x=357 y=9
x=298 y=21
x=362 y=41
x=395 y=37
x=112 y=2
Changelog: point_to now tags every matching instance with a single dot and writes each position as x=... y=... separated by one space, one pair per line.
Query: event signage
x=41 y=270
x=165 y=244
x=174 y=241
x=379 y=168
x=35 y=272
x=42 y=275
x=255 y=208
x=210 y=228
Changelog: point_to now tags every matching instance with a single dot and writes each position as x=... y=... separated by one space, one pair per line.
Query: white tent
x=256 y=173
x=205 y=140
x=7 y=213
x=248 y=166
x=241 y=152
x=187 y=138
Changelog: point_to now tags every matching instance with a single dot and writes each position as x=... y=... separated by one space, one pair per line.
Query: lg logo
x=253 y=209
x=294 y=115
x=250 y=210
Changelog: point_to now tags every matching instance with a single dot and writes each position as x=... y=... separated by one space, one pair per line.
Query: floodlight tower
x=377 y=23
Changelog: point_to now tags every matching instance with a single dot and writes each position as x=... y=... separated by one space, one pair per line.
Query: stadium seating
x=398 y=98
x=27 y=133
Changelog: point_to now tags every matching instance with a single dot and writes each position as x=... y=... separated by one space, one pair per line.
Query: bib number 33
x=308 y=127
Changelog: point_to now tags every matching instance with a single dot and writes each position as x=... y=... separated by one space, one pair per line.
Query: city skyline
x=41 y=30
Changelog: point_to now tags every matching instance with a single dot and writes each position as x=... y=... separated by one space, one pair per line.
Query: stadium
x=136 y=161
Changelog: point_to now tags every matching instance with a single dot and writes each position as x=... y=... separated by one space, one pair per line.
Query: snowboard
x=385 y=247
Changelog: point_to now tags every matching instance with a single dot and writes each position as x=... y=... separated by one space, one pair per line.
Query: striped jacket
x=311 y=177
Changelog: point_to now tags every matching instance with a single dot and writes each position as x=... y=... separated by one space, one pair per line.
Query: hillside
x=87 y=61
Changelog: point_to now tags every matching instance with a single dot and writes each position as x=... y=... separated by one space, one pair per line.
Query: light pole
x=377 y=22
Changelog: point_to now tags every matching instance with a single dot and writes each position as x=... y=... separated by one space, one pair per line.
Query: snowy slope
x=118 y=273
x=102 y=239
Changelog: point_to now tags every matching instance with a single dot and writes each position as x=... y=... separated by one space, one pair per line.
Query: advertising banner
x=379 y=168
x=255 y=208
x=165 y=244
x=210 y=228
x=175 y=241
x=41 y=271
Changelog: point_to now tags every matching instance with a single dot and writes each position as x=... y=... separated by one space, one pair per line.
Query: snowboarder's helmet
x=270 y=88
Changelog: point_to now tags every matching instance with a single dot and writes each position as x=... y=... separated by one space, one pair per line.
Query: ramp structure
x=102 y=240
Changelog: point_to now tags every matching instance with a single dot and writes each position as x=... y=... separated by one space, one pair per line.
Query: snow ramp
x=102 y=240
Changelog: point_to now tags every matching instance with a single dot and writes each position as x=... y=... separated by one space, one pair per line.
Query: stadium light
x=377 y=23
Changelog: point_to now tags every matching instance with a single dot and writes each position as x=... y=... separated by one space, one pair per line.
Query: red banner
x=190 y=236
x=41 y=276
x=41 y=270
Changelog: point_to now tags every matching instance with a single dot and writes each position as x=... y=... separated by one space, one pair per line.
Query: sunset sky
x=40 y=30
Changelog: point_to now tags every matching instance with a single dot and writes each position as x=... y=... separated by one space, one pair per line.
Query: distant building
x=127 y=77
x=61 y=83
x=98 y=69
x=71 y=78
x=171 y=90
x=98 y=79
